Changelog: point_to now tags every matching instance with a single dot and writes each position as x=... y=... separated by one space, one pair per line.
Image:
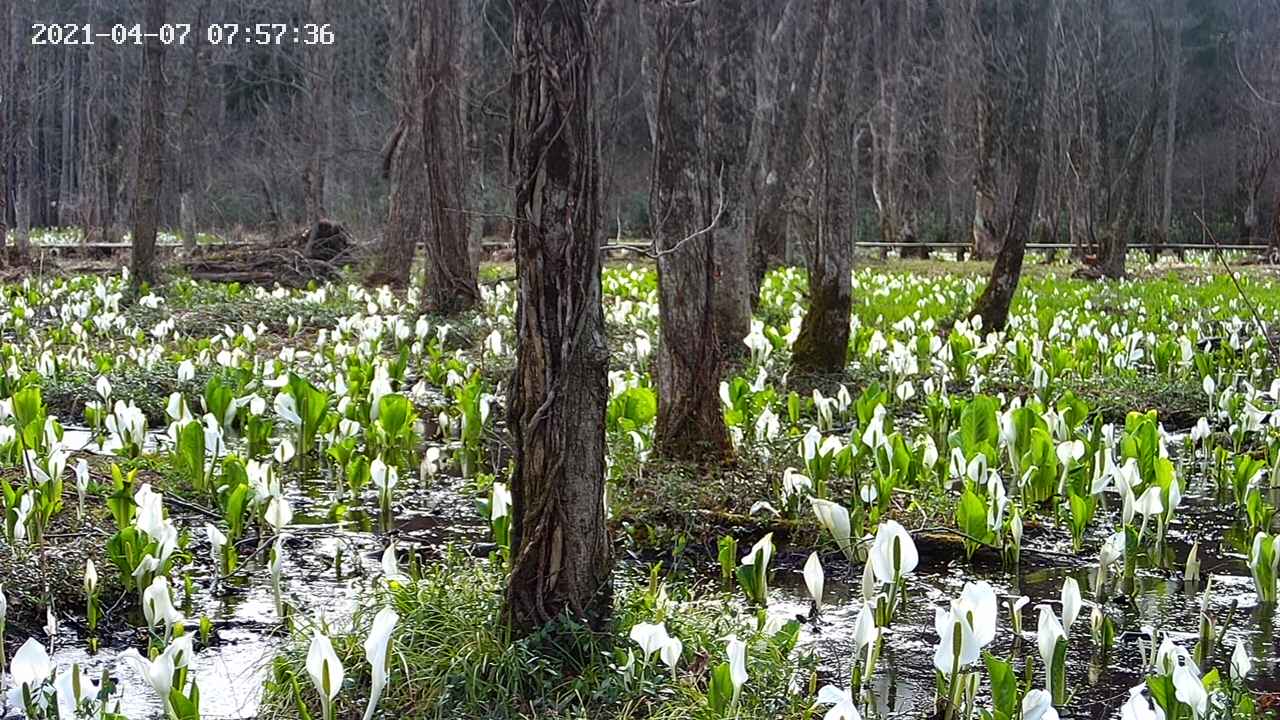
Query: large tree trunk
x=559 y=539
x=449 y=284
x=686 y=196
x=146 y=196
x=403 y=154
x=1026 y=122
x=731 y=64
x=823 y=343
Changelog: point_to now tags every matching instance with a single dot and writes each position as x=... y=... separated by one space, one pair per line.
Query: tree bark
x=1026 y=118
x=449 y=284
x=986 y=238
x=1115 y=243
x=559 y=539
x=1171 y=127
x=150 y=169
x=731 y=63
x=318 y=65
x=20 y=137
x=775 y=159
x=6 y=130
x=403 y=155
x=823 y=342
x=686 y=196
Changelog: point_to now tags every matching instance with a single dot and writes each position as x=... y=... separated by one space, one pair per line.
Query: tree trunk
x=559 y=540
x=403 y=155
x=318 y=62
x=20 y=137
x=823 y=343
x=1026 y=124
x=988 y=102
x=1171 y=128
x=146 y=196
x=1273 y=252
x=731 y=64
x=777 y=155
x=449 y=284
x=191 y=157
x=686 y=196
x=1115 y=243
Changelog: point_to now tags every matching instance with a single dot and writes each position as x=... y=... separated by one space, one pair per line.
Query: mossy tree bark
x=823 y=343
x=1025 y=118
x=686 y=197
x=150 y=172
x=559 y=540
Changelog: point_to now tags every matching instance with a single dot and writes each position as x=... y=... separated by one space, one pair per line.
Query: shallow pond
x=328 y=563
x=904 y=684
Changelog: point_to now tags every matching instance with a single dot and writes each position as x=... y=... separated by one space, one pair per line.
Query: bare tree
x=1025 y=113
x=559 y=540
x=823 y=343
x=686 y=199
x=150 y=158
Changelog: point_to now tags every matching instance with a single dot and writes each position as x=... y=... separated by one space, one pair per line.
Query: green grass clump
x=452 y=658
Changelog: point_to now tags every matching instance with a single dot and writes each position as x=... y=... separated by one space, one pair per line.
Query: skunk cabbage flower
x=814 y=579
x=1070 y=603
x=1240 y=662
x=650 y=637
x=1038 y=705
x=31 y=665
x=376 y=648
x=835 y=518
x=278 y=514
x=325 y=670
x=737 y=652
x=893 y=554
x=957 y=647
x=1190 y=690
x=158 y=672
x=841 y=702
x=157 y=604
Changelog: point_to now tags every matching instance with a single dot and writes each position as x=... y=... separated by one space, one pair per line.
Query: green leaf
x=720 y=690
x=1004 y=687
